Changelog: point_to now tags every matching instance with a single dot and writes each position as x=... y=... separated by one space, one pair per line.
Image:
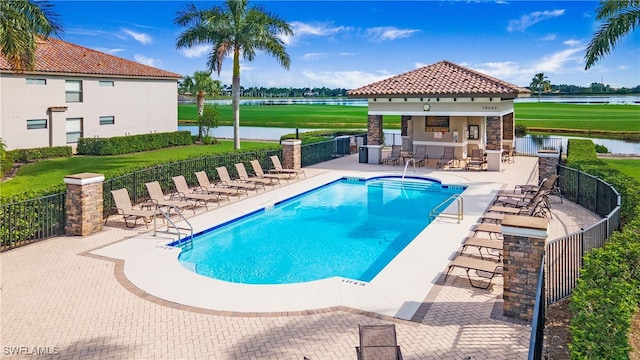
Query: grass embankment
x=44 y=174
x=595 y=119
x=629 y=167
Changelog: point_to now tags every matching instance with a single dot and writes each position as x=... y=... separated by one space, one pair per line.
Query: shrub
x=133 y=143
x=520 y=130
x=28 y=155
x=320 y=135
x=601 y=149
x=606 y=294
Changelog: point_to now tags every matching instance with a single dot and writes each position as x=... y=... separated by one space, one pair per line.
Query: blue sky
x=342 y=44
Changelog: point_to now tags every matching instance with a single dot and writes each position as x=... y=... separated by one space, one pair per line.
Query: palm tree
x=201 y=83
x=234 y=28
x=540 y=83
x=620 y=17
x=22 y=22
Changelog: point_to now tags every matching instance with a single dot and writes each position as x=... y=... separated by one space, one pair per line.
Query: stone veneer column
x=374 y=127
x=494 y=133
x=508 y=127
x=524 y=246
x=547 y=163
x=84 y=203
x=291 y=154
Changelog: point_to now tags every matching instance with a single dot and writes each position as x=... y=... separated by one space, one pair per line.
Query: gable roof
x=443 y=78
x=57 y=56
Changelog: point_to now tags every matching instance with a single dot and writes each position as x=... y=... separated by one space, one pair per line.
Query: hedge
x=133 y=143
x=607 y=292
x=29 y=155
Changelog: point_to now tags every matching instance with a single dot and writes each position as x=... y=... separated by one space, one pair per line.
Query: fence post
x=548 y=161
x=84 y=203
x=524 y=248
x=291 y=156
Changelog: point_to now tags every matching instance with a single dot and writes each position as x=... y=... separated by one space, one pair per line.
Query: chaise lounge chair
x=447 y=158
x=183 y=191
x=226 y=181
x=124 y=207
x=378 y=342
x=244 y=176
x=394 y=155
x=157 y=197
x=278 y=169
x=257 y=169
x=469 y=263
x=206 y=187
x=484 y=243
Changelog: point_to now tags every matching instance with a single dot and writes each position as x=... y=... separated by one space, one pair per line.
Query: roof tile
x=57 y=56
x=441 y=78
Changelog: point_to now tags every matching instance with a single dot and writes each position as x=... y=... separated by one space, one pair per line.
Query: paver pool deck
x=72 y=297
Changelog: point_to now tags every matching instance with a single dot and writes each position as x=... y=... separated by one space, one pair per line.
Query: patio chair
x=523 y=200
x=549 y=183
x=378 y=342
x=157 y=197
x=484 y=243
x=394 y=156
x=183 y=191
x=479 y=265
x=491 y=229
x=257 y=169
x=226 y=181
x=476 y=160
x=538 y=208
x=244 y=176
x=420 y=156
x=206 y=187
x=447 y=158
x=125 y=208
x=507 y=153
x=278 y=169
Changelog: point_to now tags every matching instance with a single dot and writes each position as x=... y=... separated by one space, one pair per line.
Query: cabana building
x=443 y=104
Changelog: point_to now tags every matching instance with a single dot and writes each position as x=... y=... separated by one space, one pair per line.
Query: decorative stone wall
x=404 y=125
x=523 y=249
x=508 y=127
x=84 y=203
x=291 y=154
x=374 y=126
x=548 y=161
x=494 y=133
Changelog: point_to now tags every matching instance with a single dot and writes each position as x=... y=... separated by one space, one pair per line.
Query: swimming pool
x=350 y=228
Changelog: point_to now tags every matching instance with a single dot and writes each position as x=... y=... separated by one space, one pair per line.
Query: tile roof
x=442 y=78
x=57 y=56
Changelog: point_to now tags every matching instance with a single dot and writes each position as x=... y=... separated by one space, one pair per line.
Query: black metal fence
x=536 y=341
x=25 y=222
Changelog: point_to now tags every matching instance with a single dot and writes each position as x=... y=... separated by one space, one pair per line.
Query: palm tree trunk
x=235 y=98
x=200 y=102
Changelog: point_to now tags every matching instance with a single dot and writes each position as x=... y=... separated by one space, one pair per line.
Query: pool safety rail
x=406 y=165
x=180 y=241
x=459 y=215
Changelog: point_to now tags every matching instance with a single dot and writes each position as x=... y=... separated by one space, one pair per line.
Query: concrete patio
x=62 y=298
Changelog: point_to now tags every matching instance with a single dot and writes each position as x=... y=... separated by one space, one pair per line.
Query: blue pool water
x=350 y=228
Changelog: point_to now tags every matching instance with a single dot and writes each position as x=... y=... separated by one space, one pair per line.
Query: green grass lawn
x=630 y=167
x=579 y=117
x=45 y=174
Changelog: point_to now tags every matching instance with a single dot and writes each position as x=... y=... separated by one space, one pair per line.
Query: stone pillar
x=494 y=133
x=291 y=154
x=374 y=127
x=547 y=163
x=523 y=249
x=508 y=127
x=84 y=203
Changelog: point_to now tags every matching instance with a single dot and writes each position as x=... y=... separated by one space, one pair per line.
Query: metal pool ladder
x=180 y=240
x=411 y=160
x=460 y=213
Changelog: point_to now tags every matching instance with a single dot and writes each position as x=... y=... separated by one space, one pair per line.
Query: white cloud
x=110 y=51
x=343 y=79
x=196 y=51
x=549 y=37
x=313 y=56
x=147 y=60
x=142 y=38
x=383 y=33
x=301 y=29
x=533 y=18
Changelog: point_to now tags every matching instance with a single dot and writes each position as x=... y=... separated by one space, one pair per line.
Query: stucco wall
x=138 y=106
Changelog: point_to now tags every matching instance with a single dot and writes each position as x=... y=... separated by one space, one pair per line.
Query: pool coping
x=398 y=291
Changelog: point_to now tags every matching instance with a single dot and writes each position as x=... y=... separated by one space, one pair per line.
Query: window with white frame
x=107 y=120
x=73 y=89
x=74 y=130
x=35 y=81
x=108 y=83
x=33 y=124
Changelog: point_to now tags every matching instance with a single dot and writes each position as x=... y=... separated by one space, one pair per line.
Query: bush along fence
x=132 y=143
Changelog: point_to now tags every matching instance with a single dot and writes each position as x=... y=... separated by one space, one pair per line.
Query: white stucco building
x=77 y=92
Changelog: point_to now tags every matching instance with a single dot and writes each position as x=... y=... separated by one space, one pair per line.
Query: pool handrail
x=179 y=240
x=460 y=213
